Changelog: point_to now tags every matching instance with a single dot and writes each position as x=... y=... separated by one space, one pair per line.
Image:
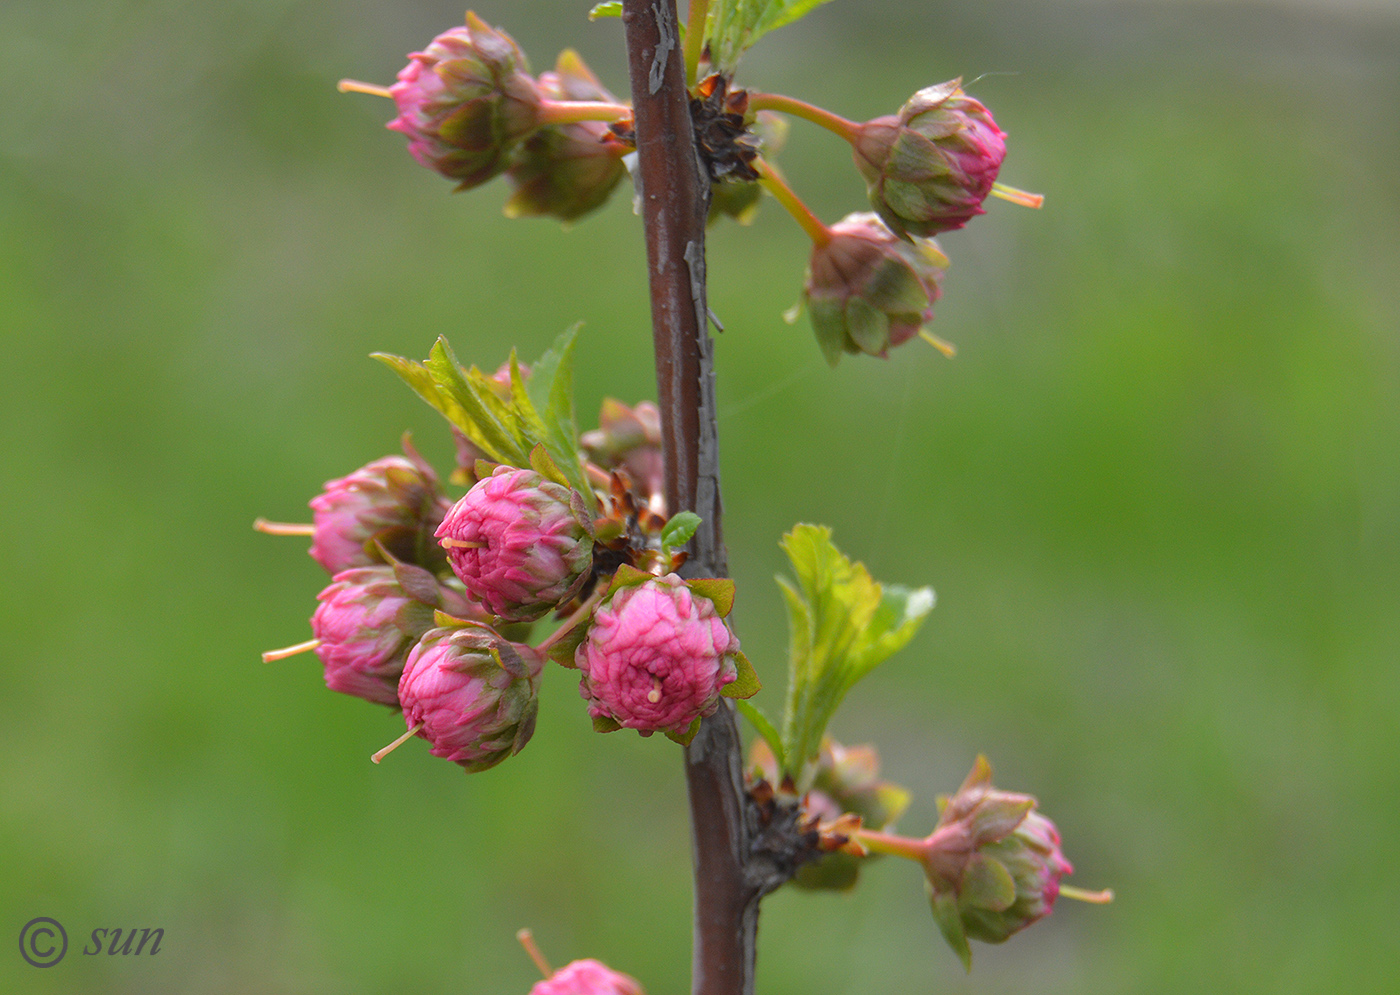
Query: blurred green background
x=1158 y=493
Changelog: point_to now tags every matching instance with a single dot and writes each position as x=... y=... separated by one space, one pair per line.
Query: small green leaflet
x=734 y=25
x=842 y=624
x=609 y=8
x=678 y=530
x=539 y=412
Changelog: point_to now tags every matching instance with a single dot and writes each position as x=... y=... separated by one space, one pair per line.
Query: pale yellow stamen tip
x=283 y=528
x=460 y=544
x=355 y=86
x=1093 y=897
x=654 y=695
x=285 y=652
x=381 y=754
x=1015 y=196
x=527 y=940
x=947 y=348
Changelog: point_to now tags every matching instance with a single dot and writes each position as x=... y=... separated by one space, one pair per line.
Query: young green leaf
x=842 y=625
x=765 y=728
x=678 y=530
x=609 y=8
x=734 y=25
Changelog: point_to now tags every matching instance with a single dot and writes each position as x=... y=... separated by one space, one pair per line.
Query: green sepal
x=678 y=530
x=828 y=319
x=746 y=684
x=950 y=924
x=607 y=529
x=608 y=8
x=484 y=468
x=627 y=576
x=719 y=590
x=414 y=618
x=546 y=467
x=684 y=738
x=442 y=620
x=526 y=727
x=986 y=884
x=605 y=723
x=563 y=651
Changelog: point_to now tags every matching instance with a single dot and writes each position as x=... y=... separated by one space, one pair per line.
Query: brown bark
x=674 y=188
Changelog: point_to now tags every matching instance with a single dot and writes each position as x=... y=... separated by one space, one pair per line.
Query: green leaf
x=546 y=467
x=417 y=376
x=483 y=428
x=842 y=624
x=678 y=530
x=537 y=412
x=765 y=728
x=746 y=684
x=609 y=8
x=734 y=25
x=551 y=389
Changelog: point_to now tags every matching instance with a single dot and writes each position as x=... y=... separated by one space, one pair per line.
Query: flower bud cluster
x=472 y=110
x=435 y=631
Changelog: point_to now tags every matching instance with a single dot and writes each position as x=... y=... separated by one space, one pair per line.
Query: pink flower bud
x=993 y=863
x=466 y=102
x=868 y=290
x=656 y=657
x=929 y=168
x=394 y=500
x=567 y=170
x=587 y=977
x=364 y=628
x=475 y=693
x=522 y=545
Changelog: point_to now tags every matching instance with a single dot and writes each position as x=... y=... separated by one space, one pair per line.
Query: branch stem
x=674 y=194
